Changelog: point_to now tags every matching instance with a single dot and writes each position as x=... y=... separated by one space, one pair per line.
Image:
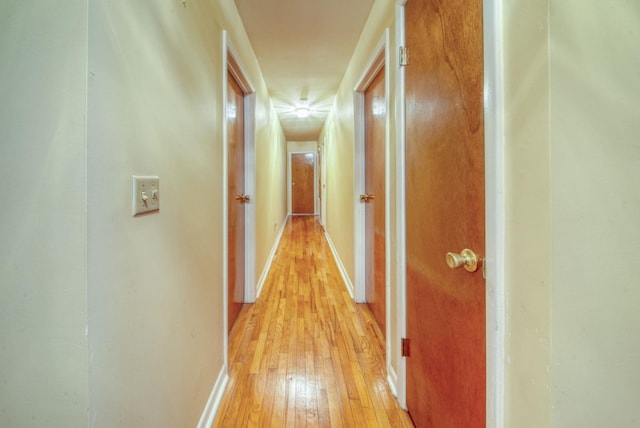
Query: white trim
x=225 y=206
x=213 y=403
x=378 y=60
x=401 y=233
x=315 y=179
x=495 y=209
x=387 y=201
x=323 y=184
x=272 y=254
x=359 y=188
x=341 y=268
x=250 y=292
x=392 y=380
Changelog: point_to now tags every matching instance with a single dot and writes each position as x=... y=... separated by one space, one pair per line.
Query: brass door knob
x=467 y=259
x=366 y=197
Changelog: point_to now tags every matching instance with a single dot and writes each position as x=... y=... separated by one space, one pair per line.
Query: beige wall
x=271 y=185
x=528 y=233
x=43 y=343
x=595 y=171
x=302 y=146
x=110 y=320
x=155 y=282
x=572 y=125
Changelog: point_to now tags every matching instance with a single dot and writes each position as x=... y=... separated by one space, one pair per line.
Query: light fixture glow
x=302 y=112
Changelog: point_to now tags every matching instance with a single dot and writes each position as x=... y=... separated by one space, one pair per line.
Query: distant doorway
x=303 y=172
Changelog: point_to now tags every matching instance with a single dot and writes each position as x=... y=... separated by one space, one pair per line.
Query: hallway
x=304 y=354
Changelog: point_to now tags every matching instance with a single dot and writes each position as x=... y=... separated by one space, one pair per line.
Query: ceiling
x=304 y=48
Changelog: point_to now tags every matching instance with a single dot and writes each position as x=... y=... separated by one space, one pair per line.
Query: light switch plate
x=146 y=194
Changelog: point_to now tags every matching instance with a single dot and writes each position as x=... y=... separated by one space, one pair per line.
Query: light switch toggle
x=146 y=194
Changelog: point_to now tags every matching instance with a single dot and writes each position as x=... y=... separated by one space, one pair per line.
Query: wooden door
x=375 y=282
x=445 y=212
x=302 y=183
x=236 y=220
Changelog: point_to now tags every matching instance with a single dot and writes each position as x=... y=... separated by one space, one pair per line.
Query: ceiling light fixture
x=302 y=112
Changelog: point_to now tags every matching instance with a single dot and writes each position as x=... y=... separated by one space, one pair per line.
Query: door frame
x=495 y=209
x=290 y=180
x=231 y=63
x=322 y=150
x=378 y=61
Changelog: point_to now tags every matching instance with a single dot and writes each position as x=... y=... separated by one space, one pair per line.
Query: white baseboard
x=392 y=380
x=211 y=409
x=267 y=266
x=343 y=271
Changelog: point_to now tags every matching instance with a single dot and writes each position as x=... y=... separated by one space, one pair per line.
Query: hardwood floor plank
x=305 y=355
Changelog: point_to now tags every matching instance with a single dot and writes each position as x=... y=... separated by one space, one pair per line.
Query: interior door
x=302 y=183
x=374 y=198
x=237 y=199
x=445 y=213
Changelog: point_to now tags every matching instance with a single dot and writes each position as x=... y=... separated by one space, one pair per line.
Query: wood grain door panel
x=445 y=212
x=302 y=183
x=236 y=214
x=375 y=239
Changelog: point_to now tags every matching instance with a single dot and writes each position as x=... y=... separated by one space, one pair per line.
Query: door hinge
x=404 y=56
x=406 y=347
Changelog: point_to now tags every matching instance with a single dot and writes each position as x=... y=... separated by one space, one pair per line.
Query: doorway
x=446 y=366
x=239 y=188
x=236 y=200
x=371 y=181
x=374 y=197
x=303 y=183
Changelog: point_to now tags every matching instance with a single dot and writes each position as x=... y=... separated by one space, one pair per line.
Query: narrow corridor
x=305 y=355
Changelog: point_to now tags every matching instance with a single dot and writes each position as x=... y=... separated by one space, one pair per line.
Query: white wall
x=93 y=94
x=43 y=87
x=528 y=217
x=595 y=172
x=572 y=81
x=155 y=282
x=271 y=187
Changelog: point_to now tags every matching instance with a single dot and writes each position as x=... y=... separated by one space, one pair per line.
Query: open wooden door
x=374 y=198
x=237 y=199
x=445 y=213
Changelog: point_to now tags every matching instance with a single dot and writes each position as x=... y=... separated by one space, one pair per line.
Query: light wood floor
x=305 y=355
